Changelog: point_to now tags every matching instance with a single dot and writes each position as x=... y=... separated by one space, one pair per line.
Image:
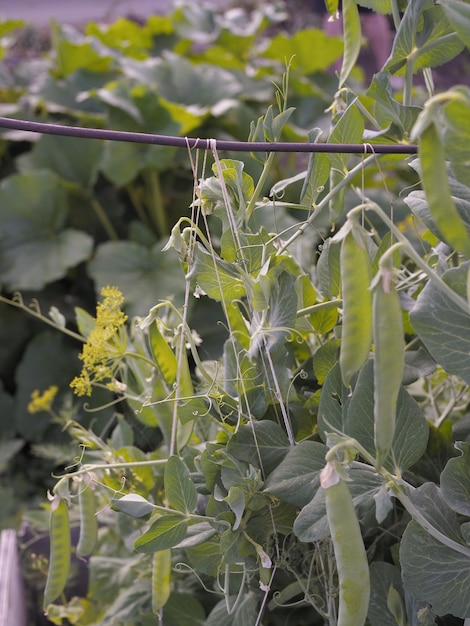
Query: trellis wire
x=203 y=144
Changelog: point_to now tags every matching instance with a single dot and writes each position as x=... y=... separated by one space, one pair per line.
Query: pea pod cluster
x=356 y=336
x=59 y=559
x=349 y=550
x=388 y=360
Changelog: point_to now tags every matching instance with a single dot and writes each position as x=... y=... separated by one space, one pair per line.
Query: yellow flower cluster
x=42 y=402
x=105 y=344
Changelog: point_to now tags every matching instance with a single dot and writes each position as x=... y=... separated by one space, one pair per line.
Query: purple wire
x=204 y=144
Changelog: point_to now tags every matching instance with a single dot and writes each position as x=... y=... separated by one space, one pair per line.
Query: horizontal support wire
x=204 y=144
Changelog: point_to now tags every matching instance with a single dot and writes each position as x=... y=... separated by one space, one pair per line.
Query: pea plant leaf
x=442 y=580
x=442 y=327
x=296 y=478
x=179 y=488
x=458 y=14
x=455 y=480
x=263 y=444
x=312 y=524
x=133 y=504
x=36 y=247
x=166 y=532
x=383 y=576
x=424 y=38
x=411 y=433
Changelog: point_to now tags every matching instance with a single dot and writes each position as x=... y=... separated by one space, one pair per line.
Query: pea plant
x=313 y=466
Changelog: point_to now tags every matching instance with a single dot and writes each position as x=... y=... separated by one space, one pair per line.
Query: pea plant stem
x=325 y=201
x=410 y=251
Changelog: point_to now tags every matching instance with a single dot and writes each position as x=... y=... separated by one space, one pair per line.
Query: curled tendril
x=180 y=567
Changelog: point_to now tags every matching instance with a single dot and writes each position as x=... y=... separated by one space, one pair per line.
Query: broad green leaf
x=424 y=38
x=387 y=109
x=206 y=557
x=432 y=571
x=458 y=14
x=352 y=35
x=145 y=276
x=455 y=480
x=443 y=327
x=73 y=160
x=311 y=50
x=262 y=444
x=383 y=576
x=165 y=533
x=196 y=535
x=270 y=331
x=123 y=34
x=133 y=505
x=325 y=359
x=203 y=87
x=296 y=478
x=312 y=524
x=179 y=488
x=183 y=609
x=36 y=249
x=73 y=51
x=411 y=433
x=217 y=278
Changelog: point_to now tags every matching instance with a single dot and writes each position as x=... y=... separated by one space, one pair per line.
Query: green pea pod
x=388 y=363
x=350 y=553
x=436 y=187
x=161 y=579
x=356 y=337
x=88 y=521
x=59 y=559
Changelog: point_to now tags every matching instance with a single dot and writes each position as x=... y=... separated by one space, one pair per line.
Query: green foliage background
x=225 y=395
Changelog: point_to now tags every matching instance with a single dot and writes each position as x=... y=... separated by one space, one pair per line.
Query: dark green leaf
x=424 y=38
x=411 y=433
x=296 y=478
x=179 y=488
x=183 y=609
x=382 y=577
x=444 y=328
x=36 y=249
x=74 y=160
x=263 y=444
x=458 y=14
x=219 y=279
x=434 y=573
x=145 y=276
x=455 y=480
